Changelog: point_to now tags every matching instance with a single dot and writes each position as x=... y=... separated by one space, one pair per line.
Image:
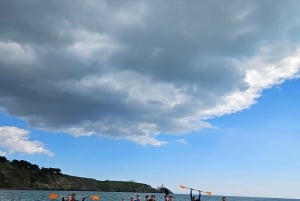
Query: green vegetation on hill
x=20 y=174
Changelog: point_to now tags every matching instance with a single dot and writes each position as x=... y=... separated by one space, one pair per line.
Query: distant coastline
x=23 y=175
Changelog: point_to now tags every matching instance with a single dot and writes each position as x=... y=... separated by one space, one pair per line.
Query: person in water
x=138 y=198
x=153 y=198
x=193 y=198
x=72 y=197
x=69 y=198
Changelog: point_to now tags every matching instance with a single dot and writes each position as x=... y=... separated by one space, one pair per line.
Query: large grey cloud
x=135 y=69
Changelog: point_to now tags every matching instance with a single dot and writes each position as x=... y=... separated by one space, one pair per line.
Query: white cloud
x=182 y=141
x=14 y=53
x=146 y=140
x=14 y=139
x=263 y=74
x=79 y=131
x=2 y=153
x=260 y=74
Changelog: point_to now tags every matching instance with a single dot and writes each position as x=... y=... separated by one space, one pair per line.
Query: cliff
x=24 y=175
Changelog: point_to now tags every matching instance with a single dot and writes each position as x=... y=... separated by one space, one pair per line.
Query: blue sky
x=200 y=93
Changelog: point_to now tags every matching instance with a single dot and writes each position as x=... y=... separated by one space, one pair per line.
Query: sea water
x=41 y=195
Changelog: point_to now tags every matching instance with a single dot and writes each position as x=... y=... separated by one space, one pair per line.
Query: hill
x=20 y=174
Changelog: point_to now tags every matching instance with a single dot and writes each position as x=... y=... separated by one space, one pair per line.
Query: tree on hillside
x=3 y=159
x=24 y=165
x=51 y=170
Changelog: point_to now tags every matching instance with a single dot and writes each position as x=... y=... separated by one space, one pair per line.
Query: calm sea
x=38 y=195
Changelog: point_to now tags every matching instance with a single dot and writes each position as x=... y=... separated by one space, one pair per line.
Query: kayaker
x=153 y=198
x=193 y=198
x=138 y=198
x=69 y=198
x=72 y=197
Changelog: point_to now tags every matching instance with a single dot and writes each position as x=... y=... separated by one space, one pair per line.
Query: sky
x=197 y=93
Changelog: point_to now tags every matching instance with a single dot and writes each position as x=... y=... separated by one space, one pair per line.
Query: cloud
x=92 y=45
x=257 y=79
x=2 y=153
x=182 y=141
x=15 y=53
x=135 y=70
x=13 y=139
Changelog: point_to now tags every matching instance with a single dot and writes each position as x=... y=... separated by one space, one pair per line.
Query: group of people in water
x=72 y=197
x=167 y=197
x=149 y=198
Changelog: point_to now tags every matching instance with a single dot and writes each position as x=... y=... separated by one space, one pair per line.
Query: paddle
x=54 y=196
x=184 y=187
